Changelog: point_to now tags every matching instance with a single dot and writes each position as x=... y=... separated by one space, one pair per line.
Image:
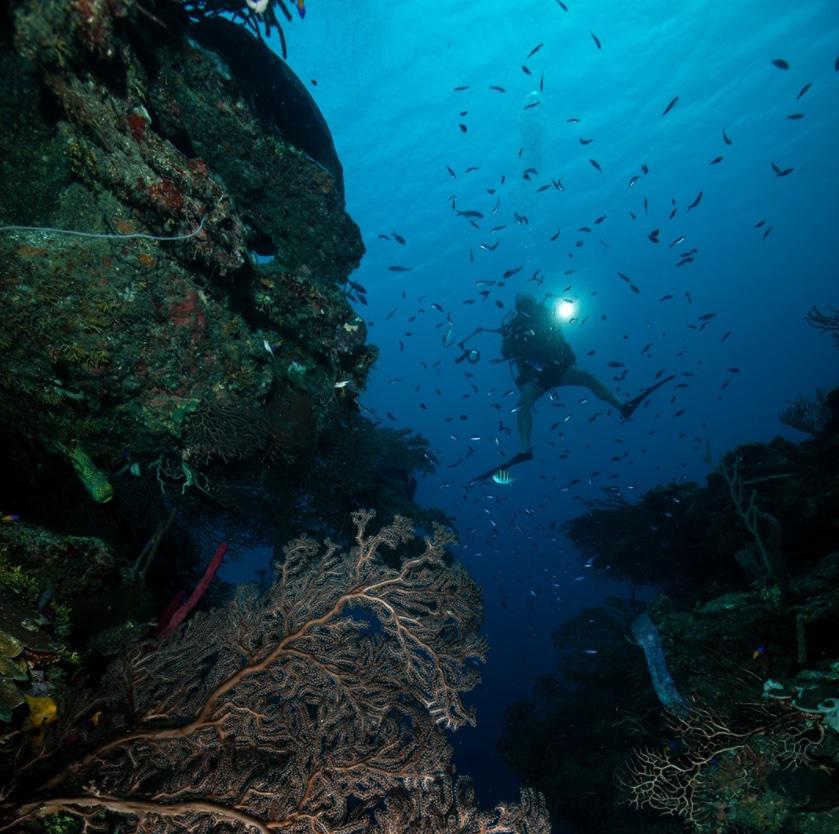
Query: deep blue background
x=385 y=75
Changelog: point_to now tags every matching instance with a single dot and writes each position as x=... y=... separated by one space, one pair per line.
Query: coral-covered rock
x=133 y=307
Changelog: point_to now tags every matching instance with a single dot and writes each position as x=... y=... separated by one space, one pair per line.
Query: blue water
x=385 y=75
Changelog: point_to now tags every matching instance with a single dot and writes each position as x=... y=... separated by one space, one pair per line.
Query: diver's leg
x=530 y=392
x=574 y=376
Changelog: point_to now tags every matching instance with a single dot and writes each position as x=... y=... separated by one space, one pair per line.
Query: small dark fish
x=557 y=184
x=645 y=170
x=734 y=370
x=679 y=413
x=398 y=238
x=596 y=40
x=634 y=288
x=492 y=247
x=780 y=63
x=497 y=88
x=585 y=141
x=400 y=268
x=542 y=188
x=673 y=102
x=665 y=298
x=463 y=127
x=555 y=235
x=511 y=272
x=535 y=50
x=529 y=172
x=615 y=364
x=696 y=202
x=633 y=179
x=676 y=242
x=781 y=173
x=599 y=220
x=468 y=213
x=584 y=229
x=725 y=335
x=532 y=105
x=542 y=83
x=358 y=287
x=767 y=232
x=384 y=237
x=716 y=160
x=836 y=65
x=707 y=316
x=565 y=9
x=794 y=117
x=451 y=172
x=525 y=70
x=625 y=277
x=758 y=224
x=596 y=164
x=390 y=416
x=804 y=89
x=390 y=315
x=498 y=228
x=672 y=214
x=646 y=205
x=653 y=235
x=472 y=168
x=725 y=138
x=461 y=88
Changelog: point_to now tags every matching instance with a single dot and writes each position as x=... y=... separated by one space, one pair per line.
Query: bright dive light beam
x=565 y=309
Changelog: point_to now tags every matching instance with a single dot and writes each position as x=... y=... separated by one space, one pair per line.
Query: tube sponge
x=645 y=632
x=94 y=480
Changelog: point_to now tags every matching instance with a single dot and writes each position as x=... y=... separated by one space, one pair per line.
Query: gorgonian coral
x=316 y=707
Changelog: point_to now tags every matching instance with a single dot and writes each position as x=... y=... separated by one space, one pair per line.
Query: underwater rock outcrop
x=747 y=620
x=178 y=351
x=147 y=174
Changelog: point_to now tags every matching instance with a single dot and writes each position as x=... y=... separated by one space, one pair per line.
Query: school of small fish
x=492 y=218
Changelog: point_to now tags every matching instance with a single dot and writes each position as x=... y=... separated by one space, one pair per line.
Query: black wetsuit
x=536 y=344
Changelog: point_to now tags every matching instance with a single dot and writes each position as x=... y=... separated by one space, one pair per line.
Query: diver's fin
x=629 y=407
x=521 y=457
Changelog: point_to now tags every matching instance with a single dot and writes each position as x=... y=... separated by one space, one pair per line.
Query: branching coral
x=300 y=710
x=712 y=765
x=807 y=415
x=255 y=14
x=826 y=322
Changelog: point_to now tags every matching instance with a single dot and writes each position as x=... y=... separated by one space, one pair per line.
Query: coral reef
x=317 y=706
x=178 y=347
x=747 y=620
x=134 y=311
x=180 y=358
x=764 y=514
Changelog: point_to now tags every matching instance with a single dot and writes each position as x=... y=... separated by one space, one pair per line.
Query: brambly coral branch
x=299 y=710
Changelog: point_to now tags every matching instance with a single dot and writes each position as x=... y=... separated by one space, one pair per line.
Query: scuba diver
x=543 y=360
